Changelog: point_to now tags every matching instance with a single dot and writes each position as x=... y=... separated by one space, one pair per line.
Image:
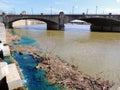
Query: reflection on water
x=34 y=27
x=93 y=52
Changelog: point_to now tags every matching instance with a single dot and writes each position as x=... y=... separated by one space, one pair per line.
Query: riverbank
x=66 y=75
x=11 y=38
x=61 y=73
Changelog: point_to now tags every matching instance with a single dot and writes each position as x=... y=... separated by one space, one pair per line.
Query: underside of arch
x=50 y=24
x=103 y=24
x=102 y=21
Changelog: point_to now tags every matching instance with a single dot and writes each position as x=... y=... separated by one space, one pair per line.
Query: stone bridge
x=99 y=22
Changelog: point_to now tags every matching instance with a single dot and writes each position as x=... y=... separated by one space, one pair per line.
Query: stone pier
x=57 y=26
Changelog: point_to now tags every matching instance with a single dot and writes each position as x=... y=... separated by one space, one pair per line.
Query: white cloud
x=9 y=5
x=4 y=5
x=118 y=1
x=112 y=10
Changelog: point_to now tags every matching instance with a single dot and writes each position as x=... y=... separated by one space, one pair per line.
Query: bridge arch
x=54 y=22
x=103 y=24
x=96 y=20
x=50 y=24
x=99 y=23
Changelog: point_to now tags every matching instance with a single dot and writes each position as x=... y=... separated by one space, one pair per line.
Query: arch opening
x=78 y=24
x=104 y=24
x=42 y=24
x=30 y=24
x=81 y=22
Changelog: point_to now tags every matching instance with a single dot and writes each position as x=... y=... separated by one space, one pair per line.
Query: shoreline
x=61 y=73
x=9 y=40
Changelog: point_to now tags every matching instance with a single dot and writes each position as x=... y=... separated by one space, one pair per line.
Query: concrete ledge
x=13 y=77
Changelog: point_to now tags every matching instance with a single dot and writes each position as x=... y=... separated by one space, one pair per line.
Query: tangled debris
x=63 y=74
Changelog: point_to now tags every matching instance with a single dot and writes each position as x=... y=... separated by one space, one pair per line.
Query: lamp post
x=96 y=9
x=73 y=10
x=51 y=10
x=103 y=12
x=14 y=10
x=87 y=11
x=32 y=10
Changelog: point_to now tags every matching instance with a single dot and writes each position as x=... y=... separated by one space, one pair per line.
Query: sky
x=55 y=6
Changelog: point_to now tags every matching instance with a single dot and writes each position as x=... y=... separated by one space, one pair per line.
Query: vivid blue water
x=26 y=41
x=35 y=79
x=35 y=27
x=7 y=59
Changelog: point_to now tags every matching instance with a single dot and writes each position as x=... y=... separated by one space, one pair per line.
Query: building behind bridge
x=80 y=22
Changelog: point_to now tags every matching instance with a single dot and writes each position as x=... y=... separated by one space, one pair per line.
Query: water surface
x=95 y=53
x=33 y=79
